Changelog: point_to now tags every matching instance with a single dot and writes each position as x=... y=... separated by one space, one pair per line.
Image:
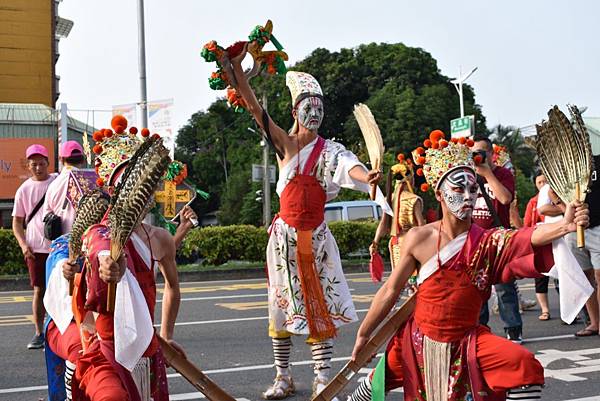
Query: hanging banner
x=159 y=121
x=129 y=111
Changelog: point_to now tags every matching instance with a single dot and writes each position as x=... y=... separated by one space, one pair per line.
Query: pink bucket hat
x=36 y=149
x=70 y=148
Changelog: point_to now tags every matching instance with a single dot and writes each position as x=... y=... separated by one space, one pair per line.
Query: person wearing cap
x=72 y=158
x=27 y=212
x=308 y=293
x=441 y=351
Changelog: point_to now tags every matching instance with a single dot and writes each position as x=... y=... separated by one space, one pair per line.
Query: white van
x=352 y=210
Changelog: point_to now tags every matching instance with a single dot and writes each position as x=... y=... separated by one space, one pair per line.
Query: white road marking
x=193 y=396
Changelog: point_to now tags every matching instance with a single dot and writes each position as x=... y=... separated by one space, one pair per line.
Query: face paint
x=459 y=190
x=310 y=112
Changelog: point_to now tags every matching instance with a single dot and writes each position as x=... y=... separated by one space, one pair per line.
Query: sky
x=530 y=54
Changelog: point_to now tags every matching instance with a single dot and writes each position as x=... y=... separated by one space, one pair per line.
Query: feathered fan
x=90 y=210
x=565 y=155
x=370 y=130
x=133 y=197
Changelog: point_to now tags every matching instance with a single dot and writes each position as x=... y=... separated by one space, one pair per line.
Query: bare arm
x=279 y=137
x=576 y=214
x=359 y=173
x=386 y=296
x=19 y=232
x=550 y=210
x=382 y=229
x=185 y=217
x=171 y=294
x=418 y=212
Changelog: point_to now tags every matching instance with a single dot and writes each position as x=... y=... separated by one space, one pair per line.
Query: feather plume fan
x=90 y=210
x=370 y=130
x=133 y=197
x=565 y=155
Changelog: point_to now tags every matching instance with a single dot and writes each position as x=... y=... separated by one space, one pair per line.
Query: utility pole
x=266 y=173
x=142 y=64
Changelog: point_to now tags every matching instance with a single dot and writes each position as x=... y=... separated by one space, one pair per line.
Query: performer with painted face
x=407 y=207
x=442 y=353
x=308 y=294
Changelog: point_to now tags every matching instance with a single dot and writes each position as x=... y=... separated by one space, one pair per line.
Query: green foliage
x=353 y=236
x=525 y=190
x=521 y=155
x=11 y=257
x=402 y=85
x=218 y=245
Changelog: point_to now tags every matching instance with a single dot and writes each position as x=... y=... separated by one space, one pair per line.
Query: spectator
x=589 y=256
x=26 y=213
x=499 y=184
x=72 y=158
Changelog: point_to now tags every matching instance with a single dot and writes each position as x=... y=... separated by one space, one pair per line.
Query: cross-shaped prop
x=172 y=198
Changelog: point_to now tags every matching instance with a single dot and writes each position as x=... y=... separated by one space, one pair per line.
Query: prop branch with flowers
x=271 y=61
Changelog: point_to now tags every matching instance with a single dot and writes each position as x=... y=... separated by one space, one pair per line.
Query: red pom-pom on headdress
x=97 y=149
x=155 y=136
x=133 y=130
x=436 y=135
x=420 y=172
x=421 y=160
x=427 y=143
x=145 y=132
x=462 y=140
x=424 y=187
x=100 y=182
x=98 y=136
x=435 y=145
x=470 y=143
x=400 y=157
x=420 y=150
x=443 y=143
x=118 y=123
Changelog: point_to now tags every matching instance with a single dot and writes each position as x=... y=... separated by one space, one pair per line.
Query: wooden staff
x=380 y=338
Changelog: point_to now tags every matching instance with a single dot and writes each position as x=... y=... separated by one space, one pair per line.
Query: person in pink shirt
x=72 y=158
x=27 y=213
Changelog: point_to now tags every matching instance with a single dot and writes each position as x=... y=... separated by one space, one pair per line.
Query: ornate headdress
x=501 y=157
x=113 y=149
x=404 y=169
x=301 y=85
x=440 y=157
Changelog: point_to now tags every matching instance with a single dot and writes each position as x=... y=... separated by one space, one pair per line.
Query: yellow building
x=29 y=35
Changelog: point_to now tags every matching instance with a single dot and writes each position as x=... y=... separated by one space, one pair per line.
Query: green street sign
x=464 y=126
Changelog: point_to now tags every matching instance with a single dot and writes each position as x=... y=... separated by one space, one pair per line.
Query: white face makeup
x=459 y=190
x=310 y=112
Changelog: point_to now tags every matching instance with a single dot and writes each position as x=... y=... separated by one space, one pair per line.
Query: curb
x=22 y=283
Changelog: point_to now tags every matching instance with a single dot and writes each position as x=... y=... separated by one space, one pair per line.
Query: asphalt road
x=223 y=327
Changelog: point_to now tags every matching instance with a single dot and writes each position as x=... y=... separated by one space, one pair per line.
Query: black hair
x=481 y=137
x=75 y=160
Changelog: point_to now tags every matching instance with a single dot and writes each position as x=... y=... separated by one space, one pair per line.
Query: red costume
x=447 y=310
x=101 y=377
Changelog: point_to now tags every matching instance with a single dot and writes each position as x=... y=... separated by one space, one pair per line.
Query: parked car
x=352 y=210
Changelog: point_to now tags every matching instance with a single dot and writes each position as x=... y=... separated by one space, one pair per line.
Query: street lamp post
x=142 y=63
x=458 y=85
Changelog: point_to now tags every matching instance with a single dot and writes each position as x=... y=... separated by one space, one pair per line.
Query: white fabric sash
x=133 y=328
x=575 y=288
x=446 y=253
x=57 y=300
x=132 y=322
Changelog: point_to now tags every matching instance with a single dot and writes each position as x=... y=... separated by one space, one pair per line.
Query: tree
x=521 y=154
